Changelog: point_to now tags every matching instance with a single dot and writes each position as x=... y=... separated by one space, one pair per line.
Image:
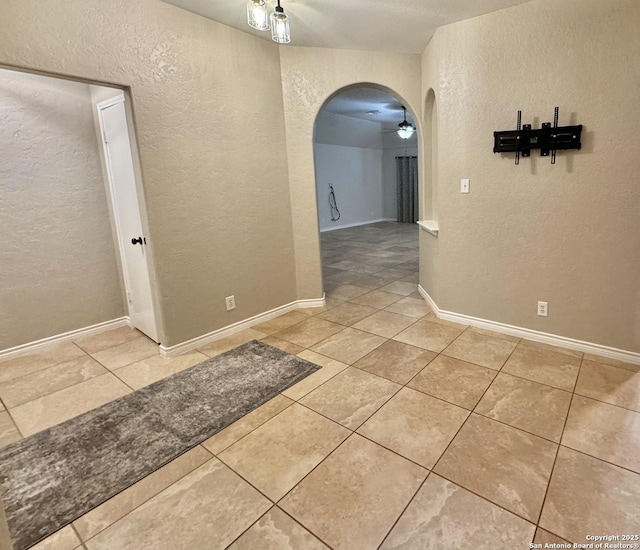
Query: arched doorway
x=367 y=191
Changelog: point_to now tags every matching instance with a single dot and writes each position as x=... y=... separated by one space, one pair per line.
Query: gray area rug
x=55 y=476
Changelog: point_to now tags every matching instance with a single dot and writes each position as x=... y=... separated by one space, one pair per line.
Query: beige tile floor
x=416 y=433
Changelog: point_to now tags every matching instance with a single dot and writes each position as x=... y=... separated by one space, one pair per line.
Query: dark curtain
x=407 y=179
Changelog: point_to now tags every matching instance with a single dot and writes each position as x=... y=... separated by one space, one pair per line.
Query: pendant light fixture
x=280 y=31
x=405 y=130
x=258 y=15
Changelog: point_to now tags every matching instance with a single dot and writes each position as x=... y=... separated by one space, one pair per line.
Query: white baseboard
x=205 y=339
x=357 y=224
x=30 y=347
x=537 y=336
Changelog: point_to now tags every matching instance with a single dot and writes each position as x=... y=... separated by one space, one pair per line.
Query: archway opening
x=368 y=200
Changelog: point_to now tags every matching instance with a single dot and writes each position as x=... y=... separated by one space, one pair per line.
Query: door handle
x=137 y=241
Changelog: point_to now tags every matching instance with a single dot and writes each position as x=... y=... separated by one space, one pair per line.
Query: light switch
x=464 y=186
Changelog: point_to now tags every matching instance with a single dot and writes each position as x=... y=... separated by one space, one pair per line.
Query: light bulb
x=280 y=31
x=257 y=15
x=406 y=131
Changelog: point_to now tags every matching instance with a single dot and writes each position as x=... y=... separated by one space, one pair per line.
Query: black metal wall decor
x=548 y=139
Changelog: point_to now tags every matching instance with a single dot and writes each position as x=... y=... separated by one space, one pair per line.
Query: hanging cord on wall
x=335 y=213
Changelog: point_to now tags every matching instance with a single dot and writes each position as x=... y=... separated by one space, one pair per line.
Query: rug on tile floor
x=55 y=476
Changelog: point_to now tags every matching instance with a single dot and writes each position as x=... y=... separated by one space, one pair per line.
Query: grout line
x=307 y=528
x=501 y=506
x=314 y=469
x=318 y=386
x=241 y=476
x=137 y=336
x=480 y=399
x=400 y=387
x=250 y=431
x=532 y=381
x=8 y=411
x=203 y=448
x=217 y=456
x=436 y=356
x=14 y=378
x=84 y=541
x=555 y=458
x=73 y=528
x=405 y=384
x=602 y=460
x=429 y=472
x=436 y=396
x=607 y=403
x=518 y=427
x=538 y=528
x=114 y=372
x=249 y=527
x=572 y=391
x=107 y=371
x=459 y=429
x=112 y=369
x=326 y=417
x=388 y=448
x=458 y=432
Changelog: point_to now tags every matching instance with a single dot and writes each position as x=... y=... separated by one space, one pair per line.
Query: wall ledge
x=537 y=336
x=430 y=226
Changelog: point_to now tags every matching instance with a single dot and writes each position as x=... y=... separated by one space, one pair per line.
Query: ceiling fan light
x=258 y=15
x=406 y=130
x=280 y=31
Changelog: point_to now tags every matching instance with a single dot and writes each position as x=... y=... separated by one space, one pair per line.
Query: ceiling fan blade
x=394 y=106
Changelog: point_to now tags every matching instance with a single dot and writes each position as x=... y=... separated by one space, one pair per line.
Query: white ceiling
x=403 y=26
x=360 y=102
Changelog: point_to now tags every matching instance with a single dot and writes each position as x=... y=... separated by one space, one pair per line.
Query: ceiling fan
x=405 y=129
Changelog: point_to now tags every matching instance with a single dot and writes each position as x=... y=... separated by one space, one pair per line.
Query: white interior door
x=126 y=209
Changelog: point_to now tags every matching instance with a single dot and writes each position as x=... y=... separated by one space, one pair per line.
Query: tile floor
x=416 y=433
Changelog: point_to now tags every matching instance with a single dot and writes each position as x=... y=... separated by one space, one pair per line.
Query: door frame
x=100 y=107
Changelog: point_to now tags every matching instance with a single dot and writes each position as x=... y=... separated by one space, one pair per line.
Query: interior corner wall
x=59 y=270
x=568 y=233
x=218 y=205
x=309 y=77
x=348 y=154
x=356 y=176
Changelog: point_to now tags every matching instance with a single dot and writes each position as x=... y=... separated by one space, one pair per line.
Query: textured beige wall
x=208 y=109
x=59 y=269
x=309 y=77
x=568 y=234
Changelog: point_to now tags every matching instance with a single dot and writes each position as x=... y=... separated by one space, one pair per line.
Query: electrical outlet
x=543 y=309
x=464 y=186
x=230 y=301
